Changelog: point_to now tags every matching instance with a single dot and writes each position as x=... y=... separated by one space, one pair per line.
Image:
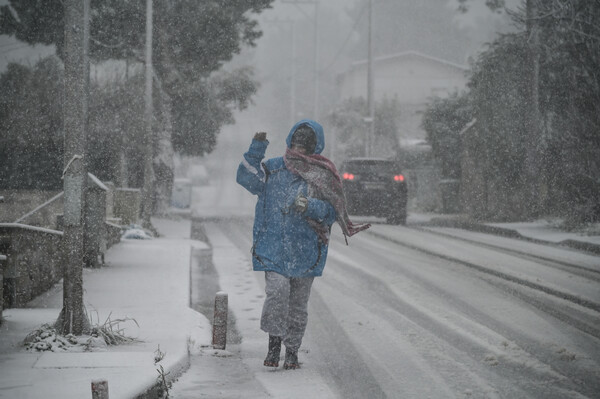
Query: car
x=375 y=187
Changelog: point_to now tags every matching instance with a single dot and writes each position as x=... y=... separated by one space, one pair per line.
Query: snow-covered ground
x=410 y=312
x=388 y=320
x=400 y=312
x=547 y=231
x=145 y=281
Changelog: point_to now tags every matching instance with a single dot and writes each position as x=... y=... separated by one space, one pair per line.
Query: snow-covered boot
x=272 y=359
x=291 y=360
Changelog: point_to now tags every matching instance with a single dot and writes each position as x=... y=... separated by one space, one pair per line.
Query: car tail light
x=348 y=176
x=399 y=178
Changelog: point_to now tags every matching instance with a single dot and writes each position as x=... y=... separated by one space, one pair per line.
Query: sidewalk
x=539 y=231
x=145 y=280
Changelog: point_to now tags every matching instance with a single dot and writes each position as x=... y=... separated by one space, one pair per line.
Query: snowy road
x=402 y=312
x=413 y=312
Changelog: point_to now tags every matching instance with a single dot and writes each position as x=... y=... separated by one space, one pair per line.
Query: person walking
x=300 y=196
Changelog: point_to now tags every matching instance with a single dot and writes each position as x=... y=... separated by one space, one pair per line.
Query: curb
x=157 y=391
x=478 y=227
x=510 y=233
x=582 y=245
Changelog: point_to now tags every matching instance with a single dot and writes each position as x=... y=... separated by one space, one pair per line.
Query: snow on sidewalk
x=145 y=280
x=246 y=297
x=544 y=230
x=238 y=371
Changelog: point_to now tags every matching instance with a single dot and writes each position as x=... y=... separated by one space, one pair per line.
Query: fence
x=32 y=256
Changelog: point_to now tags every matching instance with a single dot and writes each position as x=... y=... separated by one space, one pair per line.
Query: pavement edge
x=464 y=224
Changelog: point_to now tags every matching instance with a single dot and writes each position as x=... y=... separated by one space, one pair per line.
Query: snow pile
x=136 y=232
x=560 y=224
x=46 y=338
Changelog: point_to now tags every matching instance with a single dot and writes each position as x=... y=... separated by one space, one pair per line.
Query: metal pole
x=316 y=50
x=149 y=150
x=332 y=145
x=370 y=89
x=122 y=180
x=316 y=67
x=293 y=78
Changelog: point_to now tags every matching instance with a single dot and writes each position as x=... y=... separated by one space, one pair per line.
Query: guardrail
x=31 y=256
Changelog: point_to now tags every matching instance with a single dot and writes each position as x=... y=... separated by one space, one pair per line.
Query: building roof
x=412 y=53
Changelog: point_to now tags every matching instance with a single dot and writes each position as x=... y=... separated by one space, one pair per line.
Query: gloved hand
x=301 y=203
x=260 y=136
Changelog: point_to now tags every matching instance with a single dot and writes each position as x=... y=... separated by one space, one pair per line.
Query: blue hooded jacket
x=283 y=241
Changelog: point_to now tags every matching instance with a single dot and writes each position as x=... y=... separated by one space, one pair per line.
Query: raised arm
x=250 y=174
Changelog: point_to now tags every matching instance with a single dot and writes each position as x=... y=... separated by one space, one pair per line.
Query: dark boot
x=291 y=360
x=272 y=359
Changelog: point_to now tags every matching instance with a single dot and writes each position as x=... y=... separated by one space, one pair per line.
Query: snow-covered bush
x=47 y=338
x=136 y=232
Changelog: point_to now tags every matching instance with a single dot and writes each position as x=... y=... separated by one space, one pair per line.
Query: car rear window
x=370 y=166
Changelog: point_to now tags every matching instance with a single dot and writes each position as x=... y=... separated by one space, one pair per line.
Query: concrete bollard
x=219 y=339
x=99 y=389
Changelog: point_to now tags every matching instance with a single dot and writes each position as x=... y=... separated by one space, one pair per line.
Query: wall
x=34 y=254
x=34 y=261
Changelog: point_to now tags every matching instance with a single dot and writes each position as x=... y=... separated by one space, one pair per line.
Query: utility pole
x=316 y=50
x=72 y=319
x=316 y=66
x=292 y=23
x=535 y=140
x=293 y=77
x=122 y=172
x=148 y=189
x=370 y=140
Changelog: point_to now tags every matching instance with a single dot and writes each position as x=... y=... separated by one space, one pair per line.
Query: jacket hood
x=316 y=127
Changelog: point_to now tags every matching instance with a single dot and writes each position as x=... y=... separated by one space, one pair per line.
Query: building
x=410 y=77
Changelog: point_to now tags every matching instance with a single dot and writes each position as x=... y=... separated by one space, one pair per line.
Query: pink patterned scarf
x=321 y=174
